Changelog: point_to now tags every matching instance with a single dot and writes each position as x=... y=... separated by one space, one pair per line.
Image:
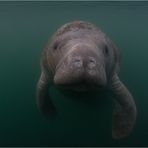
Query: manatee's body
x=79 y=56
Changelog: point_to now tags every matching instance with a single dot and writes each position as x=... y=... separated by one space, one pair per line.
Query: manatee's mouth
x=82 y=85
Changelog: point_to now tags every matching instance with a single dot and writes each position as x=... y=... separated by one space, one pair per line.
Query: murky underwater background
x=82 y=120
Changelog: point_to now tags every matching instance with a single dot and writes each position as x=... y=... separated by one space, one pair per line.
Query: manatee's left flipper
x=124 y=113
x=44 y=101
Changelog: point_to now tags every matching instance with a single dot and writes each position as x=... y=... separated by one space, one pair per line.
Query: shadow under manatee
x=94 y=97
x=87 y=112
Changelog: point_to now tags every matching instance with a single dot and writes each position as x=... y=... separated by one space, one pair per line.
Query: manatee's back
x=77 y=30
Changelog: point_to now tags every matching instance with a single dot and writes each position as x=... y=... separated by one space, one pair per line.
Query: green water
x=86 y=121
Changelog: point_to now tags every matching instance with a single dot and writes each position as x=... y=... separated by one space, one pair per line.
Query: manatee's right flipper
x=44 y=101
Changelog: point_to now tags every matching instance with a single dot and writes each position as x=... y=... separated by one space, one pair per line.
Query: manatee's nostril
x=91 y=63
x=92 y=72
x=92 y=60
x=78 y=62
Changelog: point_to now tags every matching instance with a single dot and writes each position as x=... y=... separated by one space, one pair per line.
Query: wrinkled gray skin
x=79 y=56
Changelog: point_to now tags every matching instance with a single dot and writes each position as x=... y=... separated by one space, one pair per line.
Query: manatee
x=80 y=57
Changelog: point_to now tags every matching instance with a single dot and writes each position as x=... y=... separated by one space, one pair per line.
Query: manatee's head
x=84 y=57
x=83 y=65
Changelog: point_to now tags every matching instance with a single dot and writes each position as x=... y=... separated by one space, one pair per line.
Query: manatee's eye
x=55 y=46
x=106 y=51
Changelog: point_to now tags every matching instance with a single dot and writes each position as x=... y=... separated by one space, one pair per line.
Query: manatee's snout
x=81 y=66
